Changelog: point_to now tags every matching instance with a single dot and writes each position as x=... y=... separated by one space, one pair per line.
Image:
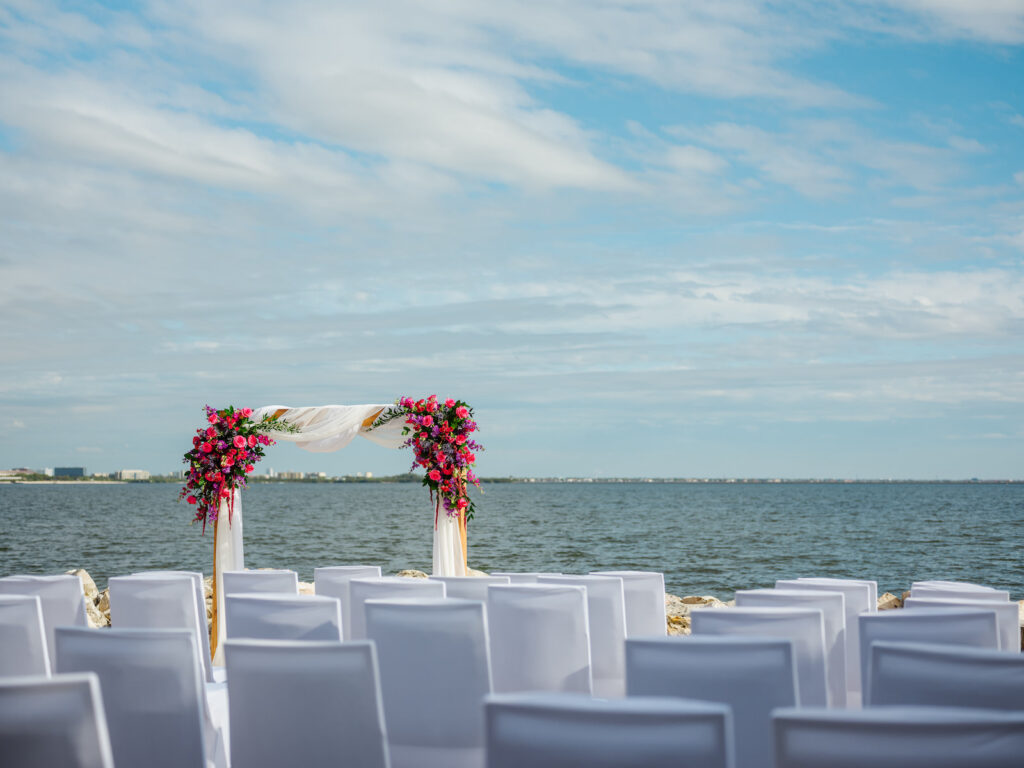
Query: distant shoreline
x=536 y=481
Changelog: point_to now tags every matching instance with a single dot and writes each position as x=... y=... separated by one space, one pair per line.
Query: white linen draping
x=229 y=556
x=448 y=559
x=326 y=428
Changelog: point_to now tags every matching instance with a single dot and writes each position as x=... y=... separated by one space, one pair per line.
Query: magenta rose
x=206 y=447
x=462 y=411
x=239 y=441
x=434 y=475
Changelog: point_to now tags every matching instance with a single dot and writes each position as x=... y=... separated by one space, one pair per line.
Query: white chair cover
x=305 y=704
x=898 y=737
x=53 y=721
x=152 y=691
x=274 y=616
x=833 y=611
x=752 y=675
x=386 y=588
x=22 y=637
x=606 y=609
x=61 y=597
x=332 y=581
x=246 y=582
x=946 y=676
x=1007 y=616
x=540 y=638
x=546 y=730
x=645 y=602
x=469 y=587
x=522 y=578
x=804 y=627
x=861 y=597
x=434 y=673
x=942 y=584
x=943 y=626
x=201 y=621
x=951 y=591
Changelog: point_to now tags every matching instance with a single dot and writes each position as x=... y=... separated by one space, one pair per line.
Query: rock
x=306 y=588
x=88 y=585
x=476 y=573
x=103 y=601
x=409 y=573
x=904 y=597
x=208 y=587
x=680 y=606
x=95 y=616
x=888 y=601
x=678 y=625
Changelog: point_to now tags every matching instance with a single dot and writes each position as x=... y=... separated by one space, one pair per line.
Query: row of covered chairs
x=402 y=630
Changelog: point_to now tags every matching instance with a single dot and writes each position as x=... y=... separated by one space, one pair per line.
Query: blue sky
x=642 y=238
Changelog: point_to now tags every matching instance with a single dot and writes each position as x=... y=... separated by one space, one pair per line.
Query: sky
x=641 y=237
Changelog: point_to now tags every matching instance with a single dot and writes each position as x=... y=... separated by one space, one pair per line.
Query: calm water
x=707 y=539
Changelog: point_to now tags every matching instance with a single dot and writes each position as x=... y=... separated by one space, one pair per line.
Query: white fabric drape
x=326 y=428
x=448 y=559
x=230 y=556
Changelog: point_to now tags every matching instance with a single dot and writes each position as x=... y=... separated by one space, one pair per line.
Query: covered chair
x=644 y=592
x=1007 y=615
x=152 y=690
x=751 y=675
x=212 y=676
x=606 y=611
x=804 y=627
x=53 y=721
x=946 y=676
x=469 y=587
x=944 y=626
x=386 y=588
x=898 y=737
x=833 y=610
x=546 y=730
x=270 y=616
x=332 y=581
x=60 y=596
x=22 y=637
x=540 y=638
x=434 y=670
x=956 y=590
x=309 y=704
x=277 y=580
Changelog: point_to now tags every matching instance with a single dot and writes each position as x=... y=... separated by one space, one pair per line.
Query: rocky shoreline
x=677 y=609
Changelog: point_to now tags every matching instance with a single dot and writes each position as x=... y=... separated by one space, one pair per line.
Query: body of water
x=706 y=538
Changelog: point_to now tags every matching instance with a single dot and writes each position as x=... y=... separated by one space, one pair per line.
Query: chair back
x=804 y=627
x=606 y=612
x=432 y=650
x=275 y=616
x=942 y=626
x=268 y=580
x=332 y=581
x=752 y=675
x=386 y=588
x=522 y=578
x=898 y=737
x=469 y=587
x=952 y=591
x=1007 y=615
x=61 y=598
x=833 y=611
x=201 y=621
x=540 y=638
x=22 y=637
x=307 y=704
x=152 y=690
x=545 y=730
x=644 y=592
x=946 y=676
x=53 y=721
x=861 y=597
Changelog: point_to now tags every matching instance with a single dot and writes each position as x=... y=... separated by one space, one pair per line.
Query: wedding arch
x=225 y=450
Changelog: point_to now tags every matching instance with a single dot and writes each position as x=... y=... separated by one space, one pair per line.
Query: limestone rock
x=208 y=587
x=678 y=625
x=88 y=585
x=306 y=588
x=103 y=601
x=409 y=573
x=476 y=573
x=95 y=616
x=681 y=606
x=888 y=601
x=904 y=597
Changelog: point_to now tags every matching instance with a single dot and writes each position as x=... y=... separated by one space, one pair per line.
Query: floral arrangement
x=223 y=454
x=440 y=437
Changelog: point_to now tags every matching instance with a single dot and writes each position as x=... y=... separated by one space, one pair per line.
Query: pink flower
x=462 y=411
x=212 y=418
x=428 y=421
x=191 y=499
x=460 y=439
x=247 y=412
x=227 y=461
x=462 y=504
x=434 y=475
x=252 y=441
x=239 y=441
x=249 y=467
x=206 y=447
x=211 y=432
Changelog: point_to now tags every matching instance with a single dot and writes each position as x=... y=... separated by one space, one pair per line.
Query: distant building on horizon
x=131 y=474
x=69 y=471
